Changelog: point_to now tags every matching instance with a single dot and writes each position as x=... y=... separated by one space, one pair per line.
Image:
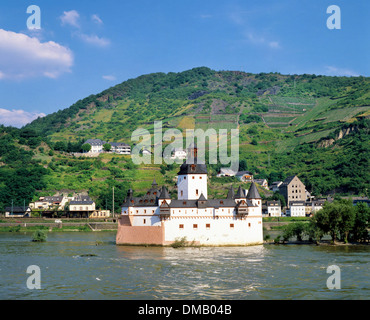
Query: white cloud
x=256 y=39
x=274 y=44
x=18 y=118
x=96 y=19
x=109 y=77
x=22 y=56
x=94 y=40
x=334 y=71
x=70 y=18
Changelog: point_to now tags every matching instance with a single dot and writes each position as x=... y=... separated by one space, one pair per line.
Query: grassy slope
x=307 y=112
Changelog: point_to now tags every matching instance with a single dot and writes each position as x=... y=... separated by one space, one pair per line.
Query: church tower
x=192 y=177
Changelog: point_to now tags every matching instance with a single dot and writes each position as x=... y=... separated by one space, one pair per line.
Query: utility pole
x=113 y=204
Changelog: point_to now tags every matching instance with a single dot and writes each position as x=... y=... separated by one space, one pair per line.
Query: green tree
x=86 y=147
x=107 y=147
x=361 y=223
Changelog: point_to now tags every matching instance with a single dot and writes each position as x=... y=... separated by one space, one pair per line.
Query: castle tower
x=192 y=178
x=164 y=196
x=254 y=196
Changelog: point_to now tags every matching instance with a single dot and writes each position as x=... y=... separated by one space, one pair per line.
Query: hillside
x=313 y=126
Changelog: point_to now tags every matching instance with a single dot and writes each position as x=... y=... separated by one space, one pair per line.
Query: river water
x=73 y=266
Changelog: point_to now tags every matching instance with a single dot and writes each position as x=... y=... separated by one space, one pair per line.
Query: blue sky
x=85 y=47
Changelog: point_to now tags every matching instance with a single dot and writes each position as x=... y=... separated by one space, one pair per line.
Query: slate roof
x=95 y=142
x=192 y=168
x=253 y=192
x=164 y=194
x=17 y=209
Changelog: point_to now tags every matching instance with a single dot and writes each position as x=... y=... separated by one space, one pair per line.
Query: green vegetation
x=339 y=219
x=39 y=236
x=313 y=126
x=179 y=243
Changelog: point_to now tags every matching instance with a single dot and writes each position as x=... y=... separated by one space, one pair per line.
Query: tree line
x=340 y=219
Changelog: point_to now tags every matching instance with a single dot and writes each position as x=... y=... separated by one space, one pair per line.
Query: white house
x=226 y=172
x=96 y=145
x=296 y=209
x=120 y=148
x=82 y=205
x=273 y=208
x=17 y=212
x=178 y=153
x=262 y=182
x=157 y=219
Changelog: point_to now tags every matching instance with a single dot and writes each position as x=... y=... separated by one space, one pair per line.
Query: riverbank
x=59 y=227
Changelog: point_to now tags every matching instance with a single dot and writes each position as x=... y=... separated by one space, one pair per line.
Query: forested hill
x=314 y=126
x=203 y=95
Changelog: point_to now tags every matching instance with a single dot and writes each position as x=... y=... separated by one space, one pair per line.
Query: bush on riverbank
x=39 y=236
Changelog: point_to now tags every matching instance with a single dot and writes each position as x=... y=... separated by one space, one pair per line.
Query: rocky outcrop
x=341 y=134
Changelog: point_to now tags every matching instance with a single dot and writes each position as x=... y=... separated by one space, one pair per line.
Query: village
x=71 y=204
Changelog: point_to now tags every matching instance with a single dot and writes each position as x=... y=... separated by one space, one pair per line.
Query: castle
x=156 y=219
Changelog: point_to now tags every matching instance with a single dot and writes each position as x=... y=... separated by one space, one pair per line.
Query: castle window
x=184 y=178
x=181 y=226
x=200 y=177
x=137 y=211
x=152 y=211
x=208 y=226
x=182 y=193
x=144 y=211
x=193 y=177
x=231 y=226
x=221 y=202
x=196 y=192
x=249 y=224
x=195 y=226
x=144 y=221
x=184 y=202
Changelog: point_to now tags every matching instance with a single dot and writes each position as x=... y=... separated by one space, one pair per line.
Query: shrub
x=39 y=236
x=179 y=243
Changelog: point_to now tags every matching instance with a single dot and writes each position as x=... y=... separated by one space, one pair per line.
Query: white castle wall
x=209 y=231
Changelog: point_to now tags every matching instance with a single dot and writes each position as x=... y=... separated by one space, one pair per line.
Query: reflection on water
x=74 y=267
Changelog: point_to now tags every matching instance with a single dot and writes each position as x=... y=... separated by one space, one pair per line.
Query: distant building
x=50 y=202
x=273 y=208
x=275 y=186
x=116 y=147
x=120 y=148
x=226 y=172
x=17 y=212
x=178 y=153
x=293 y=189
x=82 y=206
x=146 y=151
x=100 y=214
x=296 y=209
x=262 y=182
x=313 y=206
x=244 y=176
x=96 y=145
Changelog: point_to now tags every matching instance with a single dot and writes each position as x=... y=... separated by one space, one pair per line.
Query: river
x=76 y=265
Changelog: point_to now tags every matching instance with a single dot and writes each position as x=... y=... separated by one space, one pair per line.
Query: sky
x=84 y=47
